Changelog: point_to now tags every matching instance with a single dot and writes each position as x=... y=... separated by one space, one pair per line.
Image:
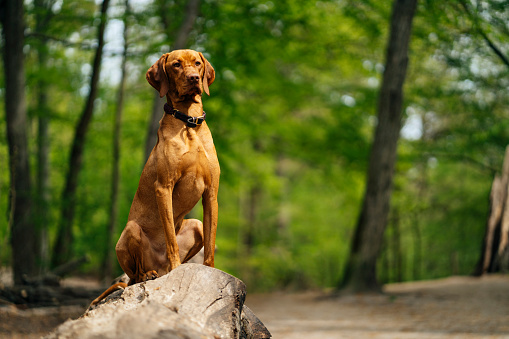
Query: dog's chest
x=190 y=160
x=192 y=170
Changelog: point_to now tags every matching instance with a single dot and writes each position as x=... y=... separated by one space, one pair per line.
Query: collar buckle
x=196 y=121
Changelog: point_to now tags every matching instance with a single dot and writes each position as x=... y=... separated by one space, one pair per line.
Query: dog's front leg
x=165 y=207
x=210 y=208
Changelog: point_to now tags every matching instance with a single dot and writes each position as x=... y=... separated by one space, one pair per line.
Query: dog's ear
x=157 y=77
x=208 y=74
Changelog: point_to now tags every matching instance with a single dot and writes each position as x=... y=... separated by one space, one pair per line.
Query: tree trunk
x=384 y=275
x=416 y=267
x=284 y=213
x=192 y=9
x=495 y=244
x=24 y=237
x=43 y=194
x=255 y=196
x=42 y=17
x=397 y=255
x=108 y=259
x=360 y=271
x=153 y=124
x=250 y=196
x=62 y=251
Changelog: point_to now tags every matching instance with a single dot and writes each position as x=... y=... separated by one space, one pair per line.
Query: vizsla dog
x=181 y=169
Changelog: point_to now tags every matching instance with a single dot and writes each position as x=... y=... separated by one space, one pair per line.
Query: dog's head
x=181 y=73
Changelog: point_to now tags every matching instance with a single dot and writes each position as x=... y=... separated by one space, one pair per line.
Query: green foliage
x=292 y=112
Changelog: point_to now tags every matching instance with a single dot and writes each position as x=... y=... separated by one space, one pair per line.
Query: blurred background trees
x=361 y=272
x=292 y=111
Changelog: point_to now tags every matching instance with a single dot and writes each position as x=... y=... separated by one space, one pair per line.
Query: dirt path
x=456 y=307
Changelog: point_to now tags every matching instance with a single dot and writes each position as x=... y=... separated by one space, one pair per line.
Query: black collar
x=190 y=121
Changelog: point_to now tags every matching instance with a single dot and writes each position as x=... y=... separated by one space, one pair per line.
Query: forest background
x=292 y=112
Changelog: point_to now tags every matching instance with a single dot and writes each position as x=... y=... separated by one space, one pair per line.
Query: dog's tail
x=111 y=289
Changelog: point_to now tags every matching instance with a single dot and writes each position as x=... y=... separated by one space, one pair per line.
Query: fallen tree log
x=28 y=296
x=53 y=277
x=192 y=301
x=70 y=266
x=45 y=290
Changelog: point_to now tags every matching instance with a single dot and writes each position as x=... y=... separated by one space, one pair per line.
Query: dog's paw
x=150 y=275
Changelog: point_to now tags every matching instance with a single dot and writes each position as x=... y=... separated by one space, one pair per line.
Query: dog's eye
x=176 y=65
x=197 y=63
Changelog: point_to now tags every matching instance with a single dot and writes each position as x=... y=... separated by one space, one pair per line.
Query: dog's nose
x=194 y=77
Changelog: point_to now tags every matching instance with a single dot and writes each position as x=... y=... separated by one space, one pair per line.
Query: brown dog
x=181 y=169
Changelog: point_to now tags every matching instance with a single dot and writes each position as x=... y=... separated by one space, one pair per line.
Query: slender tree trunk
x=255 y=194
x=249 y=199
x=284 y=214
x=192 y=9
x=24 y=237
x=360 y=272
x=153 y=124
x=108 y=259
x=43 y=196
x=416 y=228
x=396 y=247
x=384 y=272
x=42 y=17
x=416 y=267
x=62 y=251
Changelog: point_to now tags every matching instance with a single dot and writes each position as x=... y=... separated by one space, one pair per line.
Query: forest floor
x=455 y=307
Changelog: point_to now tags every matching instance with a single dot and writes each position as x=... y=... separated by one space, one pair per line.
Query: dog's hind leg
x=190 y=239
x=134 y=255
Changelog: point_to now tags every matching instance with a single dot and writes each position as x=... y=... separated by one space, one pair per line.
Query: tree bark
x=397 y=254
x=493 y=256
x=192 y=9
x=360 y=272
x=43 y=196
x=24 y=237
x=43 y=15
x=416 y=267
x=108 y=259
x=252 y=209
x=62 y=251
